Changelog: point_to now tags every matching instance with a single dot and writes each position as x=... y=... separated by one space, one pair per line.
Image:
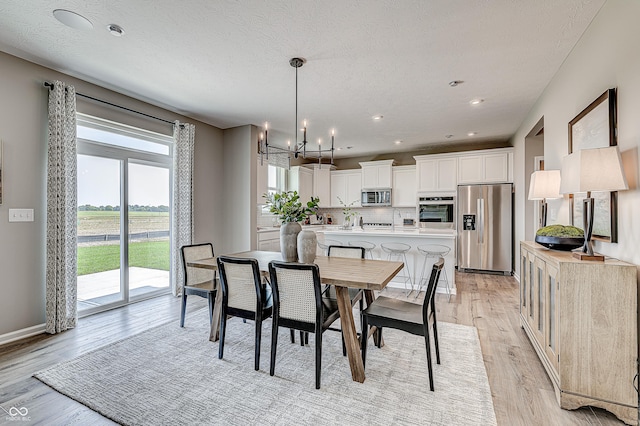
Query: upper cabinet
x=301 y=180
x=436 y=173
x=403 y=193
x=486 y=166
x=346 y=185
x=444 y=172
x=376 y=174
x=322 y=184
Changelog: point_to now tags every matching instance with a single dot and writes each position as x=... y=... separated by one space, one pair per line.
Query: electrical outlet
x=20 y=215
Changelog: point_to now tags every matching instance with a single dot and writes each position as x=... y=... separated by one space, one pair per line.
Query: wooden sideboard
x=581 y=318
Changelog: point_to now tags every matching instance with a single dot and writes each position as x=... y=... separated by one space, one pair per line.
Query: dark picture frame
x=596 y=127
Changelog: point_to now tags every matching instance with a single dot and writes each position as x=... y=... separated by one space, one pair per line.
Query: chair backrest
x=192 y=252
x=241 y=283
x=296 y=291
x=431 y=289
x=346 y=251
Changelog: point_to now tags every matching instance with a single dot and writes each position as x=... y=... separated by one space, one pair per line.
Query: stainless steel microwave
x=376 y=198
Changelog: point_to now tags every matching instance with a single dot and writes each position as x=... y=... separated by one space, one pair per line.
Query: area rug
x=168 y=375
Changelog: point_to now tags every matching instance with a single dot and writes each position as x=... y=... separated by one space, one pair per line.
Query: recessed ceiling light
x=398 y=142
x=448 y=136
x=377 y=117
x=115 y=30
x=338 y=149
x=472 y=133
x=476 y=101
x=455 y=83
x=72 y=19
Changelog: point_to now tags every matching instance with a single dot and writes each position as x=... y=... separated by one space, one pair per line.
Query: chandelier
x=299 y=147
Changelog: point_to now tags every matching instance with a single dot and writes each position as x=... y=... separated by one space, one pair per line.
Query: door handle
x=480 y=208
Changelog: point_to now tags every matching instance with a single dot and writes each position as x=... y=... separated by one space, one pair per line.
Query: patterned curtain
x=61 y=284
x=182 y=218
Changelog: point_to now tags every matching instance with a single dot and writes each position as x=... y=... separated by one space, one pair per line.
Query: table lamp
x=592 y=170
x=544 y=184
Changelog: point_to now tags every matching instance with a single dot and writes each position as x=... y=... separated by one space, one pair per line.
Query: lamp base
x=584 y=256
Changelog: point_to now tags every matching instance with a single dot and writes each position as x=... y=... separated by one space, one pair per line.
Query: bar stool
x=398 y=251
x=324 y=245
x=366 y=245
x=434 y=251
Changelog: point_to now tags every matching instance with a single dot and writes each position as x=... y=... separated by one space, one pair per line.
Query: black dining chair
x=298 y=304
x=406 y=316
x=356 y=295
x=243 y=295
x=197 y=281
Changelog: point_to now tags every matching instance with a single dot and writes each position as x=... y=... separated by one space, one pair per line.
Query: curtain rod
x=49 y=85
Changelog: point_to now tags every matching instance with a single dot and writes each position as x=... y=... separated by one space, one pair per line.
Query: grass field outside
x=100 y=257
x=106 y=257
x=105 y=222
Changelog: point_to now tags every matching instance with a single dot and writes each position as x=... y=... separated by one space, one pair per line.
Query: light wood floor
x=522 y=393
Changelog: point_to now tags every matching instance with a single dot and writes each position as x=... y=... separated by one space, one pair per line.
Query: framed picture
x=595 y=127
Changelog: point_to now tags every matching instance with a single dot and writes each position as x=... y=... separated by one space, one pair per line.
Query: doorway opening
x=533 y=160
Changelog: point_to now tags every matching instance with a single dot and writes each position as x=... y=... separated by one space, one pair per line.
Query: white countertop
x=397 y=231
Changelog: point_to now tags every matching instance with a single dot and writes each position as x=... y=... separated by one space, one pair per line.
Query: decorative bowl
x=560 y=243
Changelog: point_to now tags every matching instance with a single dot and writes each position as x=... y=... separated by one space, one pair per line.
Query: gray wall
x=239 y=189
x=606 y=56
x=23 y=130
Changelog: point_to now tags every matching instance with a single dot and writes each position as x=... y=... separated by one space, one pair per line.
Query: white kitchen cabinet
x=262 y=181
x=301 y=180
x=403 y=190
x=486 y=166
x=436 y=173
x=376 y=174
x=322 y=184
x=346 y=185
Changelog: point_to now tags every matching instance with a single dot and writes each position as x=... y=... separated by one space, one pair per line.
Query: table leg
x=214 y=335
x=350 y=336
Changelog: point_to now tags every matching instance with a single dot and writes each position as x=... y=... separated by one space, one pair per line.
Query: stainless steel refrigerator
x=484 y=226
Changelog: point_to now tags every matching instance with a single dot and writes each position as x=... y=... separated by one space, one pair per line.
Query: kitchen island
x=408 y=235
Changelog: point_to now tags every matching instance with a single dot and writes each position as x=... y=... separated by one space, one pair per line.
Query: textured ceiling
x=226 y=62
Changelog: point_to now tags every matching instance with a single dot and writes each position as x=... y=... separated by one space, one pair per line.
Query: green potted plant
x=560 y=237
x=290 y=211
x=348 y=212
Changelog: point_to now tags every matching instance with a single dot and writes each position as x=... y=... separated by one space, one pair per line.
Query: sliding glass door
x=99 y=231
x=148 y=218
x=124 y=198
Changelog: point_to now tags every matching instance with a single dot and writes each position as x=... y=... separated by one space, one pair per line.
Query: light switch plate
x=20 y=215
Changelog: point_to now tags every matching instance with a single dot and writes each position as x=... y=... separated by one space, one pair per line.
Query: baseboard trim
x=22 y=334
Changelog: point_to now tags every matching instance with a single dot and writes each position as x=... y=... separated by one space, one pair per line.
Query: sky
x=99 y=177
x=99 y=183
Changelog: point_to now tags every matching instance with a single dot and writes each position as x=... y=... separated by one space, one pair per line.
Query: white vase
x=289 y=241
x=307 y=246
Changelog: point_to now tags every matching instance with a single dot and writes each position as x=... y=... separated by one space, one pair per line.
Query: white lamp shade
x=544 y=184
x=597 y=169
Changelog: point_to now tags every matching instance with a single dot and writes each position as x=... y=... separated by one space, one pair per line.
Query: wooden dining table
x=366 y=274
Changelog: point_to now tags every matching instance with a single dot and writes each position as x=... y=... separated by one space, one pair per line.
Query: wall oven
x=437 y=211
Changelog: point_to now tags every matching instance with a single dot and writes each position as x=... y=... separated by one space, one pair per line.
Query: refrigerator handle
x=480 y=210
